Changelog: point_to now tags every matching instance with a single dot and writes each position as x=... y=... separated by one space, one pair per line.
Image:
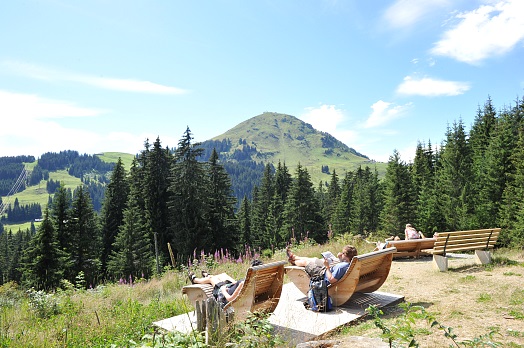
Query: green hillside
x=290 y=140
x=38 y=193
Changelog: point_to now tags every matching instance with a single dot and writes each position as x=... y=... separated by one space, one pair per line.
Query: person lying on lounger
x=316 y=267
x=225 y=288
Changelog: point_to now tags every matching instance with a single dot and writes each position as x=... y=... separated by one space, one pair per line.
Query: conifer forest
x=171 y=206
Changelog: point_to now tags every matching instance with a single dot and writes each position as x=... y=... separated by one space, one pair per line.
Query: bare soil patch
x=472 y=299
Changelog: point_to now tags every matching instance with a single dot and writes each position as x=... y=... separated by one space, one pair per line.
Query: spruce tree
x=131 y=254
x=221 y=207
x=302 y=211
x=156 y=173
x=454 y=178
x=85 y=235
x=260 y=210
x=188 y=194
x=399 y=206
x=343 y=210
x=112 y=216
x=44 y=262
x=244 y=223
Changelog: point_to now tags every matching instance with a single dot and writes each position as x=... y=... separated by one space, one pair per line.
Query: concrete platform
x=295 y=323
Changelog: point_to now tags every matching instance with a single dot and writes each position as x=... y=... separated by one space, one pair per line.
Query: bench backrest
x=261 y=291
x=366 y=273
x=466 y=240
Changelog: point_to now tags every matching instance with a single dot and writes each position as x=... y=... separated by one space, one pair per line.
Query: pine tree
x=221 y=207
x=333 y=196
x=85 y=235
x=260 y=210
x=112 y=216
x=399 y=206
x=44 y=261
x=454 y=179
x=156 y=173
x=343 y=210
x=302 y=211
x=244 y=222
x=59 y=215
x=132 y=254
x=188 y=191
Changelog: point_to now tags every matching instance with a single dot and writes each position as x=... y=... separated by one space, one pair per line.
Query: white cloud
x=27 y=107
x=327 y=118
x=484 y=32
x=126 y=85
x=405 y=13
x=384 y=112
x=429 y=87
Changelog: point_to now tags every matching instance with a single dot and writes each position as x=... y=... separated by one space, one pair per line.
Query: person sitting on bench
x=411 y=233
x=321 y=267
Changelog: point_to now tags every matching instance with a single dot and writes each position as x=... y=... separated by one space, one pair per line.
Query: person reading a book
x=331 y=271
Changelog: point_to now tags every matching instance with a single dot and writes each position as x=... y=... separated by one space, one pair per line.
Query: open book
x=328 y=255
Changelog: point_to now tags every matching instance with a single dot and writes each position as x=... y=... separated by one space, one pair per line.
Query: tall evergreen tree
x=156 y=173
x=131 y=254
x=343 y=210
x=302 y=211
x=244 y=222
x=44 y=260
x=454 y=179
x=260 y=210
x=399 y=206
x=188 y=190
x=85 y=235
x=112 y=216
x=221 y=206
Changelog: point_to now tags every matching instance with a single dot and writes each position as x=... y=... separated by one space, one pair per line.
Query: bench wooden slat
x=261 y=290
x=366 y=273
x=479 y=240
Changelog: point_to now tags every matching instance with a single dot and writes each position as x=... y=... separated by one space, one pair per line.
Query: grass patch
x=467 y=279
x=112 y=157
x=484 y=297
x=512 y=274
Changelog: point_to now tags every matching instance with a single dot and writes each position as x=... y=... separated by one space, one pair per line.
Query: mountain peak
x=281 y=137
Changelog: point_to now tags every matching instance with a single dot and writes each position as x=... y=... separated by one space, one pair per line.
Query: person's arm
x=329 y=274
x=234 y=294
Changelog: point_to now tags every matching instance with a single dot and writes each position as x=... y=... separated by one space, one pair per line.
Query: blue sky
x=97 y=76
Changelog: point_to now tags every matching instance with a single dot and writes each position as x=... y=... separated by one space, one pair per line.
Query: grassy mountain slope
x=290 y=140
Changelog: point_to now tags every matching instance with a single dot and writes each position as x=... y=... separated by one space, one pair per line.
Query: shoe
x=191 y=276
x=290 y=256
x=205 y=274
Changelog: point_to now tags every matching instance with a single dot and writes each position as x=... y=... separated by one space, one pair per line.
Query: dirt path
x=471 y=299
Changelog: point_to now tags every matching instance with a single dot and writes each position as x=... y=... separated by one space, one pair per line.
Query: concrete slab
x=295 y=323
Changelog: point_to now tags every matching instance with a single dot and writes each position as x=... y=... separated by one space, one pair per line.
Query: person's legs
x=298 y=260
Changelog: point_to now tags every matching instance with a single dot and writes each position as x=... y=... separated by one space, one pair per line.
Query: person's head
x=256 y=262
x=408 y=226
x=349 y=251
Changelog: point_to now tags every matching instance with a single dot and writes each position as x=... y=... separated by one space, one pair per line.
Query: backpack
x=318 y=299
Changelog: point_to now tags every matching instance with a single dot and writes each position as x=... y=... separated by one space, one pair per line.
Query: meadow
x=472 y=300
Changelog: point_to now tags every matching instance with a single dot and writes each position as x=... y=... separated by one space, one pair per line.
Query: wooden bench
x=481 y=241
x=366 y=273
x=261 y=290
x=412 y=247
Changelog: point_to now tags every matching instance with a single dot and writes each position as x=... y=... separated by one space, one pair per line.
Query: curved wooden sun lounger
x=412 y=247
x=366 y=273
x=261 y=290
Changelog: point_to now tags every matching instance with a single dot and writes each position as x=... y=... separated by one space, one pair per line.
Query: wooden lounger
x=261 y=290
x=366 y=273
x=412 y=247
